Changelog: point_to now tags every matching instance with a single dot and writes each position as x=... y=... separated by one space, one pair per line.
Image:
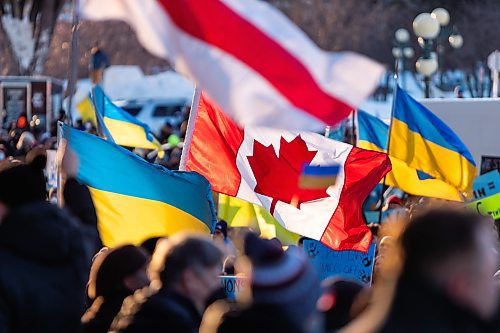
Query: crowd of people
x=434 y=271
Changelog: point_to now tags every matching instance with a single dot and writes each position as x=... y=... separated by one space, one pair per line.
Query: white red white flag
x=252 y=60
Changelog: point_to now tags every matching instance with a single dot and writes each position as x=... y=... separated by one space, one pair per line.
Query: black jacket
x=164 y=311
x=78 y=201
x=257 y=318
x=43 y=269
x=419 y=307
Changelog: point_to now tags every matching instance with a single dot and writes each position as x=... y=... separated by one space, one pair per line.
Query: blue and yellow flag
x=372 y=134
x=240 y=213
x=426 y=143
x=124 y=128
x=134 y=199
x=86 y=110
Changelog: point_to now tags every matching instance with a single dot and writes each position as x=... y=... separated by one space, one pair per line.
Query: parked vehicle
x=156 y=112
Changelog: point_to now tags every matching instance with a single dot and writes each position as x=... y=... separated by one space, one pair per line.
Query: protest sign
x=233 y=285
x=489 y=205
x=486 y=185
x=487 y=191
x=351 y=264
x=51 y=168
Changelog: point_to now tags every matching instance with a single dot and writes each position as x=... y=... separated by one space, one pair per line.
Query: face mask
x=2 y=156
x=53 y=200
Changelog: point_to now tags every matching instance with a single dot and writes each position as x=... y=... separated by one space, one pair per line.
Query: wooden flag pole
x=190 y=128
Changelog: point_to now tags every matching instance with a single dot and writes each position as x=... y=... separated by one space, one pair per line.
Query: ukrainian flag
x=124 y=128
x=372 y=134
x=86 y=110
x=134 y=199
x=426 y=143
x=240 y=213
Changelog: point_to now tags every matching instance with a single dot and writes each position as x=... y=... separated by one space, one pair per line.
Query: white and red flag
x=252 y=60
x=263 y=166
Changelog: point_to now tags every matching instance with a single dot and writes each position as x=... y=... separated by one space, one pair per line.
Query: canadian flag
x=263 y=165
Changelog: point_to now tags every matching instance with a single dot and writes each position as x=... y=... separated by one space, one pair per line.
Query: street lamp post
x=427 y=28
x=446 y=34
x=401 y=51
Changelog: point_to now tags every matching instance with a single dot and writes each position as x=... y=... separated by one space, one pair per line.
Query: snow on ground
x=129 y=82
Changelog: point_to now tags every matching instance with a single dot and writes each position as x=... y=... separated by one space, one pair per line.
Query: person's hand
x=67 y=160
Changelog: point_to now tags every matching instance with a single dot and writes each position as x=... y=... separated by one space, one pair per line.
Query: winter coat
x=257 y=318
x=163 y=311
x=78 y=201
x=43 y=269
x=419 y=307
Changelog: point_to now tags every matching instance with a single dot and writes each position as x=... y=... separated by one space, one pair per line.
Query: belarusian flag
x=263 y=165
x=259 y=66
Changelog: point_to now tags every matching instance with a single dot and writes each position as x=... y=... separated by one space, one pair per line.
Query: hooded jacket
x=43 y=268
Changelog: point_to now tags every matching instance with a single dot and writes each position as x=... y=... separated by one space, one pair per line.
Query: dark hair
x=337 y=300
x=180 y=252
x=150 y=244
x=228 y=266
x=438 y=236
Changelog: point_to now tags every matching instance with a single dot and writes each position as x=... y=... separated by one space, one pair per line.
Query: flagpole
x=352 y=128
x=73 y=67
x=389 y=140
x=190 y=128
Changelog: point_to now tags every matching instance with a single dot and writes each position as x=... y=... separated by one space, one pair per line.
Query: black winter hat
x=22 y=183
x=222 y=227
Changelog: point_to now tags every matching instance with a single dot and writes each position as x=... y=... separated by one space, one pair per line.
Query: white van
x=156 y=112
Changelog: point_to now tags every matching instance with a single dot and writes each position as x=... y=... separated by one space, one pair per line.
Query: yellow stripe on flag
x=128 y=134
x=434 y=159
x=125 y=219
x=86 y=110
x=240 y=213
x=405 y=178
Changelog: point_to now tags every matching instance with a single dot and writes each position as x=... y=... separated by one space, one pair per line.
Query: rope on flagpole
x=190 y=128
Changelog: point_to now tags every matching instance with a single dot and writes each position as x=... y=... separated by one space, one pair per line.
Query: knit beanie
x=285 y=279
x=22 y=183
x=114 y=266
x=222 y=227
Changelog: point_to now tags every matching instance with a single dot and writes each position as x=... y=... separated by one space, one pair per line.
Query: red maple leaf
x=278 y=177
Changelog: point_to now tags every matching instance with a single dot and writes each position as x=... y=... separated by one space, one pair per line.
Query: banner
x=349 y=264
x=489 y=205
x=486 y=185
x=51 y=168
x=233 y=285
x=487 y=192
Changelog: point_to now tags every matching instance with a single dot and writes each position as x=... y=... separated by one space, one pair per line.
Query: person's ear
x=130 y=283
x=3 y=211
x=457 y=288
x=188 y=279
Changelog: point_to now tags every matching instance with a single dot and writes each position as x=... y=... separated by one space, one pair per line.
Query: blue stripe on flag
x=421 y=120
